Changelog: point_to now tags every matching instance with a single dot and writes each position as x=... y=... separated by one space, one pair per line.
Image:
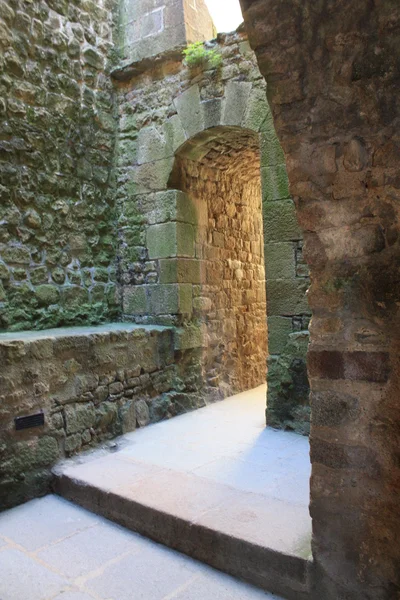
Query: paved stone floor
x=51 y=549
x=219 y=467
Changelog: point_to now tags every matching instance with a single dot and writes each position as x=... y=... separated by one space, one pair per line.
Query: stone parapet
x=91 y=384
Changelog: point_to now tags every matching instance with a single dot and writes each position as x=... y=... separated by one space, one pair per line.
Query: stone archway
x=158 y=222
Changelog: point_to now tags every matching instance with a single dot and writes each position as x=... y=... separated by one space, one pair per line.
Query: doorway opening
x=219 y=169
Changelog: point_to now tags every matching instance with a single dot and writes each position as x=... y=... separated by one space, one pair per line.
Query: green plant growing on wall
x=196 y=55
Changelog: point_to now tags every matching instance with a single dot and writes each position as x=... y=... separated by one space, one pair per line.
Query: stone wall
x=148 y=27
x=57 y=129
x=92 y=384
x=162 y=108
x=332 y=71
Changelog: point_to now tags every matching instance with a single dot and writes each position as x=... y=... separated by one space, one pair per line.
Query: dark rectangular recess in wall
x=36 y=420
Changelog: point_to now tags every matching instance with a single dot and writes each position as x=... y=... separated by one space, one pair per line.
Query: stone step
x=214 y=484
x=231 y=530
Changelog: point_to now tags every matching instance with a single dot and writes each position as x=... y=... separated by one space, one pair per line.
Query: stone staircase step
x=263 y=541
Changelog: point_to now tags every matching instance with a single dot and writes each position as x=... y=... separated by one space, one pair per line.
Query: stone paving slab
x=89 y=558
x=213 y=478
x=23 y=578
x=61 y=518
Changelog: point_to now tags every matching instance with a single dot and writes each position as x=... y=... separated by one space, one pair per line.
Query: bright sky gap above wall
x=226 y=14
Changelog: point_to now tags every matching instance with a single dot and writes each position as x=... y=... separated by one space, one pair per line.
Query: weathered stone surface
x=190 y=111
x=172 y=205
x=280 y=261
x=256 y=111
x=167 y=240
x=212 y=112
x=228 y=295
x=56 y=203
x=201 y=120
x=288 y=388
x=169 y=299
x=237 y=95
x=128 y=416
x=142 y=413
x=79 y=417
x=150 y=176
x=151 y=146
x=279 y=329
x=88 y=382
x=280 y=222
x=287 y=297
x=275 y=182
x=342 y=157
x=150 y=28
x=134 y=300
x=92 y=230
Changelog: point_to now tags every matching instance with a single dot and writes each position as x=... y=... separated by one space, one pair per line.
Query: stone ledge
x=132 y=69
x=31 y=336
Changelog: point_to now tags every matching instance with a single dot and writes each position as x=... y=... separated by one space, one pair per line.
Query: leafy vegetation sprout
x=197 y=55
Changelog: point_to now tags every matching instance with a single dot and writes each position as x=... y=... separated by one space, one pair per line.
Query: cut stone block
x=174 y=133
x=279 y=329
x=257 y=109
x=134 y=300
x=236 y=97
x=212 y=111
x=180 y=270
x=190 y=112
x=169 y=299
x=280 y=222
x=280 y=261
x=152 y=176
x=271 y=151
x=287 y=297
x=151 y=146
x=172 y=205
x=168 y=240
x=191 y=336
x=275 y=183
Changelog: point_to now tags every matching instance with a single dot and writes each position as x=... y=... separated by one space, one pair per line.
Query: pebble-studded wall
x=57 y=133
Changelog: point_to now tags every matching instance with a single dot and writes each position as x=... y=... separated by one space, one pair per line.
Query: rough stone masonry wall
x=229 y=300
x=57 y=128
x=333 y=77
x=92 y=385
x=160 y=109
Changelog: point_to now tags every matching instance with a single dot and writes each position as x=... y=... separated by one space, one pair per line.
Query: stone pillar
x=170 y=241
x=286 y=286
x=332 y=71
x=150 y=27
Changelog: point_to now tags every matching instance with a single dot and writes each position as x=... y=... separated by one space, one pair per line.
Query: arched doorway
x=159 y=268
x=219 y=169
